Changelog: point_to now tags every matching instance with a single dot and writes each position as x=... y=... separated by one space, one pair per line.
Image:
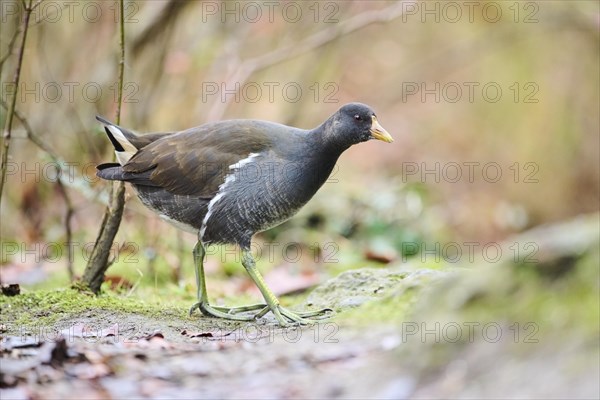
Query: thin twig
x=11 y=107
x=98 y=262
x=11 y=45
x=316 y=40
x=68 y=231
x=121 y=59
x=165 y=19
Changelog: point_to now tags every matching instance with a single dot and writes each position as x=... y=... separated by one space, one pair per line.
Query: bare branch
x=11 y=108
x=167 y=16
x=319 y=39
x=98 y=263
x=11 y=45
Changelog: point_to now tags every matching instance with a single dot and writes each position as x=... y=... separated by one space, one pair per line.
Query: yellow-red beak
x=378 y=132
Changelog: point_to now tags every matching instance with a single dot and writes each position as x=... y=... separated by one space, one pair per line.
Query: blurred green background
x=506 y=94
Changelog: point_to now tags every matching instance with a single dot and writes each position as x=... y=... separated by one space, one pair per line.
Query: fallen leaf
x=212 y=335
x=16 y=342
x=53 y=353
x=381 y=256
x=118 y=282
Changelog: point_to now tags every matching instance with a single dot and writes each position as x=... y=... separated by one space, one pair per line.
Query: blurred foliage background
x=476 y=93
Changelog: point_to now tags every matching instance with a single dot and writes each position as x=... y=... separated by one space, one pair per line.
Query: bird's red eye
x=357 y=117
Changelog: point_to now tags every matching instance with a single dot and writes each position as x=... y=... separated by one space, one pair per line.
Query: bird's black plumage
x=273 y=170
x=228 y=180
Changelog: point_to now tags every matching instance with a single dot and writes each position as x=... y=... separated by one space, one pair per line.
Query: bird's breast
x=260 y=195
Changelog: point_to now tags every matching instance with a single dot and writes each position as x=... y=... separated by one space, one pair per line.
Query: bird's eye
x=357 y=117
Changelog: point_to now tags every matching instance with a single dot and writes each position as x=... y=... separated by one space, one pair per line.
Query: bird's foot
x=230 y=313
x=284 y=316
x=287 y=317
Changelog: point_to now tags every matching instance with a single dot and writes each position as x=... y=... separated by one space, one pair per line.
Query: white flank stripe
x=229 y=179
x=245 y=161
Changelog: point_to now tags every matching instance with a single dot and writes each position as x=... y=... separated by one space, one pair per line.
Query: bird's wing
x=196 y=161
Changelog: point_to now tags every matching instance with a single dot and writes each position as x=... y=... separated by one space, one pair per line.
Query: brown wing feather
x=145 y=139
x=196 y=161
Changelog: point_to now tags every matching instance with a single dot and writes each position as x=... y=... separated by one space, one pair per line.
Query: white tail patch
x=123 y=157
x=129 y=149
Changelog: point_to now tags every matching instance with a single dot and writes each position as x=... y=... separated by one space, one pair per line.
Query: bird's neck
x=327 y=142
x=320 y=160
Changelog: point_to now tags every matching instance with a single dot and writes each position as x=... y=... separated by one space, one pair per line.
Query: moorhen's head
x=354 y=123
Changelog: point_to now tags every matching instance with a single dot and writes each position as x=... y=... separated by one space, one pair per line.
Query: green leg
x=203 y=304
x=198 y=254
x=284 y=316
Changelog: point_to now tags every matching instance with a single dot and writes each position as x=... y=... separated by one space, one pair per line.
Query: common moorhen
x=227 y=180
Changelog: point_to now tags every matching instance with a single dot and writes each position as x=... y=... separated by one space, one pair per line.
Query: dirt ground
x=491 y=331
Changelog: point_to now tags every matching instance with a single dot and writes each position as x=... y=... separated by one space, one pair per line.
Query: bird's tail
x=115 y=172
x=120 y=139
x=110 y=171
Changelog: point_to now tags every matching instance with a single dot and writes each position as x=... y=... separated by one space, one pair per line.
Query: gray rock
x=354 y=288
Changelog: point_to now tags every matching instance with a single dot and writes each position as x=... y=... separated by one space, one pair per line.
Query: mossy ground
x=49 y=306
x=514 y=293
x=400 y=320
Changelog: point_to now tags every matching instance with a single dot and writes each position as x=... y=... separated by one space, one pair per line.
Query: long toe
x=241 y=309
x=297 y=318
x=220 y=312
x=318 y=314
x=194 y=307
